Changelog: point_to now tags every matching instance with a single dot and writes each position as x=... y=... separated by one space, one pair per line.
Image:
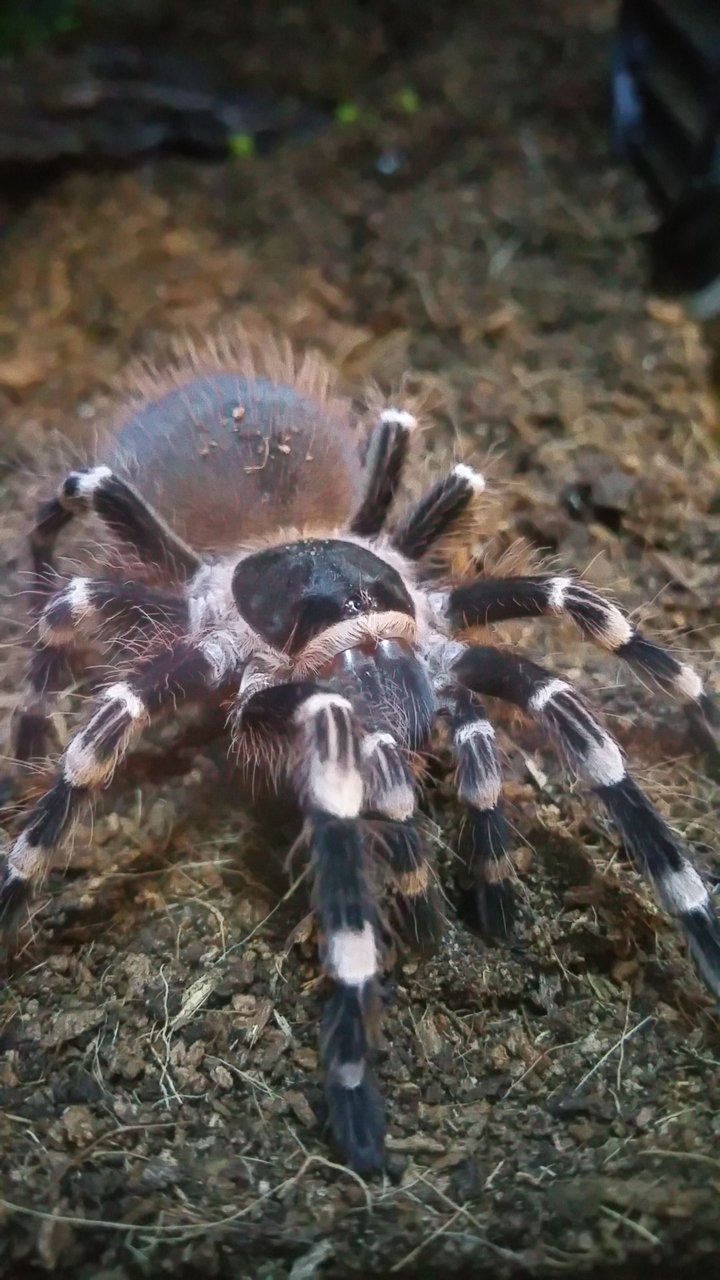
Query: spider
x=252 y=505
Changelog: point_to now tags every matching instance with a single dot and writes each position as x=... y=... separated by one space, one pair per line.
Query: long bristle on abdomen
x=234 y=441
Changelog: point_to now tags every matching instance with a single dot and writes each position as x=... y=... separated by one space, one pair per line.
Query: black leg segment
x=439 y=512
x=386 y=459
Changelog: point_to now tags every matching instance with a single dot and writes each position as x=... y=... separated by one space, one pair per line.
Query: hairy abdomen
x=228 y=456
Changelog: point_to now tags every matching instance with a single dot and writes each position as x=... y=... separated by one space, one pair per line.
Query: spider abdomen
x=227 y=456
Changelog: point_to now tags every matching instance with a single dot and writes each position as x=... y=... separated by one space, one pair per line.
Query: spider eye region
x=291 y=593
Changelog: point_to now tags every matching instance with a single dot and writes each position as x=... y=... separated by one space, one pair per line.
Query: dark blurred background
x=101 y=81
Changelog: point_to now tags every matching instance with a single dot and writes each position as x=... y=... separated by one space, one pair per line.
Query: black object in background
x=666 y=121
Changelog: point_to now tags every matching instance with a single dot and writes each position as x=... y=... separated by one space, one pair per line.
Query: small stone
x=416 y=1143
x=54 y=1238
x=274 y=1046
x=499 y=1057
x=429 y=1036
x=644 y=1117
x=581 y=1132
x=306 y=1058
x=140 y=972
x=300 y=1108
x=78 y=1124
x=19 y=373
x=70 y=1024
x=244 y=1005
x=126 y=1064
x=221 y=1076
x=163 y=1172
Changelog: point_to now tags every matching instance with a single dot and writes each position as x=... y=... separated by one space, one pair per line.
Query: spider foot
x=357 y=1122
x=416 y=910
x=356 y=1111
x=702 y=930
x=680 y=888
x=31 y=733
x=683 y=682
x=15 y=896
x=488 y=874
x=703 y=718
x=419 y=920
x=493 y=911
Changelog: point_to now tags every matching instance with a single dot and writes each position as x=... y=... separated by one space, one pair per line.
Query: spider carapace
x=260 y=565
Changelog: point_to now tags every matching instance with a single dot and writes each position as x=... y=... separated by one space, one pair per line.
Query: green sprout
x=24 y=27
x=347 y=113
x=408 y=100
x=242 y=145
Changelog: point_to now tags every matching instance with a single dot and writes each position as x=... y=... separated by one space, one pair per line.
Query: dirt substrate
x=553 y=1104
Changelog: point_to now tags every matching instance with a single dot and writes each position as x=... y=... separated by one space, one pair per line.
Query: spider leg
x=92 y=756
x=501 y=599
x=392 y=687
x=50 y=670
x=595 y=756
x=81 y=612
x=326 y=773
x=443 y=506
x=122 y=510
x=386 y=459
x=390 y=796
x=485 y=835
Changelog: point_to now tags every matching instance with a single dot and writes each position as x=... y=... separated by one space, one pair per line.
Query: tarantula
x=253 y=505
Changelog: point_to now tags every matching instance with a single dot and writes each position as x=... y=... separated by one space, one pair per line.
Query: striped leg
x=597 y=758
x=442 y=508
x=50 y=520
x=484 y=838
x=90 y=760
x=49 y=672
x=330 y=784
x=386 y=459
x=390 y=796
x=501 y=599
x=122 y=510
x=322 y=743
x=80 y=612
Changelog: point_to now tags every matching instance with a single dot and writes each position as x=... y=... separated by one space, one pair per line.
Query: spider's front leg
x=92 y=756
x=325 y=769
x=492 y=600
x=595 y=755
